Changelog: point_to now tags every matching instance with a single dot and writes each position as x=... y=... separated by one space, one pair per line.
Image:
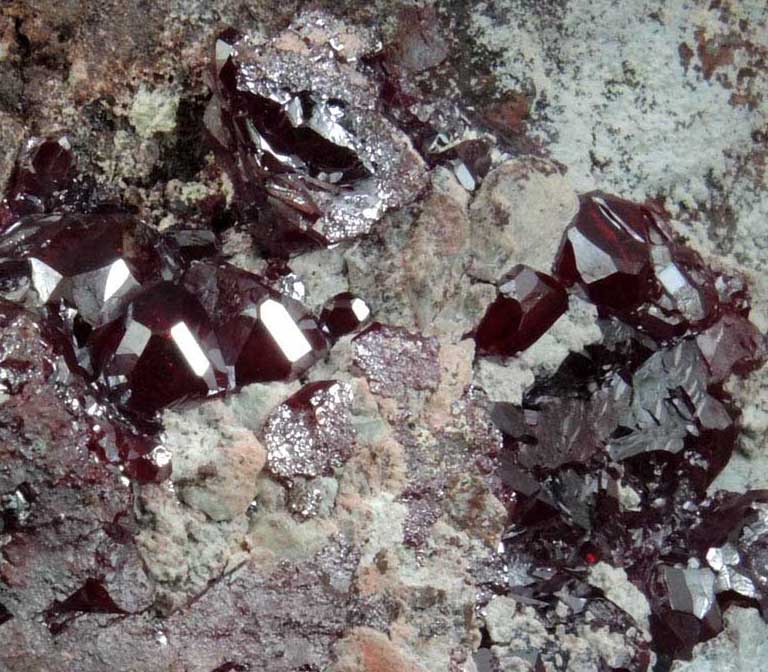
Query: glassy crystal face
x=90 y=263
x=627 y=265
x=46 y=166
x=298 y=128
x=527 y=305
x=263 y=335
x=344 y=314
x=161 y=350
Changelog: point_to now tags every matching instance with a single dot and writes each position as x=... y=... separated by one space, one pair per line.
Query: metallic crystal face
x=166 y=351
x=691 y=590
x=318 y=151
x=90 y=263
x=618 y=253
x=344 y=314
x=263 y=335
x=311 y=433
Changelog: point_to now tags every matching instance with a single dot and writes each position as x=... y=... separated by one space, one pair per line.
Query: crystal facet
x=263 y=335
x=528 y=304
x=344 y=314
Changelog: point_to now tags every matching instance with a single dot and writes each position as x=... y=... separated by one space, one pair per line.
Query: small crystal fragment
x=310 y=434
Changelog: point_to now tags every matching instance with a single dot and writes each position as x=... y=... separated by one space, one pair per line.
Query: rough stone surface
x=390 y=560
x=518 y=217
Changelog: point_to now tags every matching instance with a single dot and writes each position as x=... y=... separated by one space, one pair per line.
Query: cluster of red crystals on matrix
x=105 y=322
x=641 y=418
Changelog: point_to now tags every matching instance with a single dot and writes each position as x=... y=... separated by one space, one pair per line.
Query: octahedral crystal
x=619 y=253
x=344 y=314
x=528 y=304
x=262 y=334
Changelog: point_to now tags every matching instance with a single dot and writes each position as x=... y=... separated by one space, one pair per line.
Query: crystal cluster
x=610 y=459
x=312 y=158
x=105 y=322
x=149 y=319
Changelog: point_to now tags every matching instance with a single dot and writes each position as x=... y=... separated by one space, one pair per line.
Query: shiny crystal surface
x=620 y=254
x=88 y=262
x=161 y=350
x=609 y=462
x=295 y=120
x=344 y=314
x=46 y=166
x=527 y=305
x=262 y=334
x=311 y=433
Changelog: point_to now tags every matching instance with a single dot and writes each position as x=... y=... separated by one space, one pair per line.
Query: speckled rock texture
x=382 y=554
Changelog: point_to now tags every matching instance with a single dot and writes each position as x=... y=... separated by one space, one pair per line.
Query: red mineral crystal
x=621 y=256
x=161 y=350
x=344 y=314
x=263 y=335
x=528 y=304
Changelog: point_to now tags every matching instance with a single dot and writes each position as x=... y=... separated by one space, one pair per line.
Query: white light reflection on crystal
x=360 y=309
x=116 y=278
x=190 y=349
x=44 y=279
x=284 y=330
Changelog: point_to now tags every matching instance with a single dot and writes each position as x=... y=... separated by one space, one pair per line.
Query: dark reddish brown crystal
x=344 y=314
x=311 y=159
x=161 y=350
x=528 y=304
x=620 y=255
x=46 y=166
x=263 y=335
x=91 y=263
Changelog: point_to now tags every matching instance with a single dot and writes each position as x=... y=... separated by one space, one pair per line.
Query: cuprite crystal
x=162 y=349
x=344 y=314
x=90 y=262
x=527 y=305
x=311 y=433
x=263 y=335
x=620 y=254
x=45 y=167
x=295 y=122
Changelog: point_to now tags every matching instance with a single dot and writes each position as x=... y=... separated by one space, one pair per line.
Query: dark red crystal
x=91 y=263
x=263 y=335
x=344 y=314
x=311 y=161
x=161 y=350
x=528 y=304
x=45 y=167
x=620 y=255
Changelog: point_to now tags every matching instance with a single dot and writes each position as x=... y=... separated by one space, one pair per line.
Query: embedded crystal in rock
x=528 y=304
x=44 y=169
x=296 y=124
x=161 y=350
x=263 y=334
x=625 y=262
x=90 y=262
x=395 y=360
x=310 y=434
x=343 y=314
